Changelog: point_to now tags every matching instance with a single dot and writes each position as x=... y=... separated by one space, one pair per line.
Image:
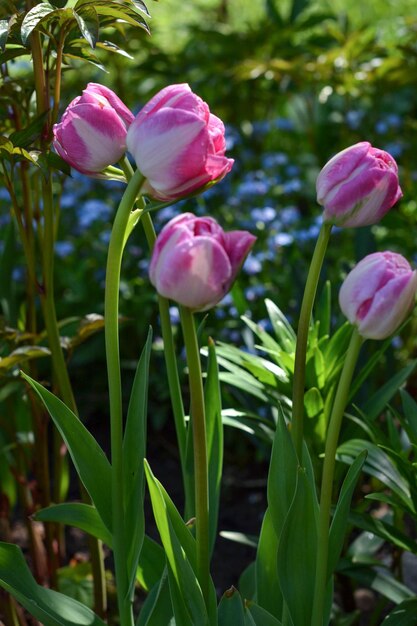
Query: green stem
x=111 y=308
x=297 y=424
x=197 y=414
x=169 y=345
x=335 y=422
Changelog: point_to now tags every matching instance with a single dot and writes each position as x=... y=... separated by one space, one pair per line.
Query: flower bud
x=177 y=144
x=358 y=186
x=194 y=262
x=378 y=294
x=92 y=132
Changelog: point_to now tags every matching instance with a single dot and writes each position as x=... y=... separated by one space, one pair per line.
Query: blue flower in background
x=92 y=210
x=252 y=265
x=64 y=248
x=265 y=214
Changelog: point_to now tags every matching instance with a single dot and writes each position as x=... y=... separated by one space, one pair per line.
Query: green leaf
x=214 y=435
x=157 y=608
x=21 y=355
x=247 y=582
x=50 y=607
x=79 y=515
x=313 y=402
x=179 y=545
x=33 y=17
x=410 y=411
x=405 y=614
x=4 y=33
x=382 y=582
x=282 y=328
x=383 y=529
x=268 y=593
x=151 y=564
x=260 y=616
x=377 y=403
x=282 y=476
x=134 y=446
x=297 y=553
x=88 y=23
x=141 y=6
x=25 y=137
x=76 y=581
x=230 y=610
x=377 y=464
x=89 y=459
x=340 y=517
x=323 y=310
x=297 y=7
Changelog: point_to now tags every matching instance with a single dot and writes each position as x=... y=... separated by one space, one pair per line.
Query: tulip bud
x=177 y=144
x=378 y=294
x=92 y=132
x=358 y=186
x=194 y=262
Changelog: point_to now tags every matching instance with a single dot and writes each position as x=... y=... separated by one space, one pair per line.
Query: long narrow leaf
x=79 y=515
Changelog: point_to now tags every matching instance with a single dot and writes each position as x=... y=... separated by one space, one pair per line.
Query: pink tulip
x=194 y=262
x=378 y=294
x=92 y=132
x=358 y=186
x=177 y=144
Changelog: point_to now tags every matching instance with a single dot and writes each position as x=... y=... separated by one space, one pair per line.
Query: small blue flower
x=64 y=248
x=252 y=265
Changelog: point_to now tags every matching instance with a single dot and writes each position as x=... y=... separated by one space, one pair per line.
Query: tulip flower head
x=378 y=294
x=358 y=186
x=92 y=132
x=195 y=262
x=178 y=145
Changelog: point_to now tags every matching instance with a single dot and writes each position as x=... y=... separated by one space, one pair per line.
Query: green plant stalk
x=169 y=345
x=111 y=316
x=297 y=423
x=48 y=304
x=335 y=422
x=197 y=415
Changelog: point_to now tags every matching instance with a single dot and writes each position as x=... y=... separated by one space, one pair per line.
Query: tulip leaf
x=410 y=411
x=260 y=616
x=383 y=529
x=297 y=552
x=151 y=564
x=157 y=608
x=230 y=609
x=4 y=33
x=25 y=137
x=89 y=459
x=48 y=606
x=134 y=444
x=340 y=517
x=79 y=515
x=380 y=581
x=282 y=328
x=180 y=549
x=268 y=594
x=214 y=434
x=282 y=476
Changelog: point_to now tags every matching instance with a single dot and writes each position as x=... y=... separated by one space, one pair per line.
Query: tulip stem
x=198 y=424
x=335 y=422
x=111 y=316
x=169 y=345
x=297 y=424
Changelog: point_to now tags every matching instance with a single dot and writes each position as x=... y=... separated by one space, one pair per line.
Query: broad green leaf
x=297 y=8
x=282 y=328
x=247 y=582
x=76 y=581
x=260 y=616
x=187 y=599
x=79 y=515
x=405 y=614
x=214 y=436
x=334 y=349
x=25 y=137
x=4 y=33
x=382 y=582
x=157 y=608
x=87 y=20
x=297 y=553
x=231 y=609
x=134 y=445
x=151 y=564
x=89 y=459
x=249 y=423
x=141 y=6
x=33 y=17
x=268 y=594
x=323 y=310
x=340 y=517
x=282 y=476
x=377 y=464
x=313 y=402
x=410 y=411
x=383 y=529
x=48 y=606
x=377 y=403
